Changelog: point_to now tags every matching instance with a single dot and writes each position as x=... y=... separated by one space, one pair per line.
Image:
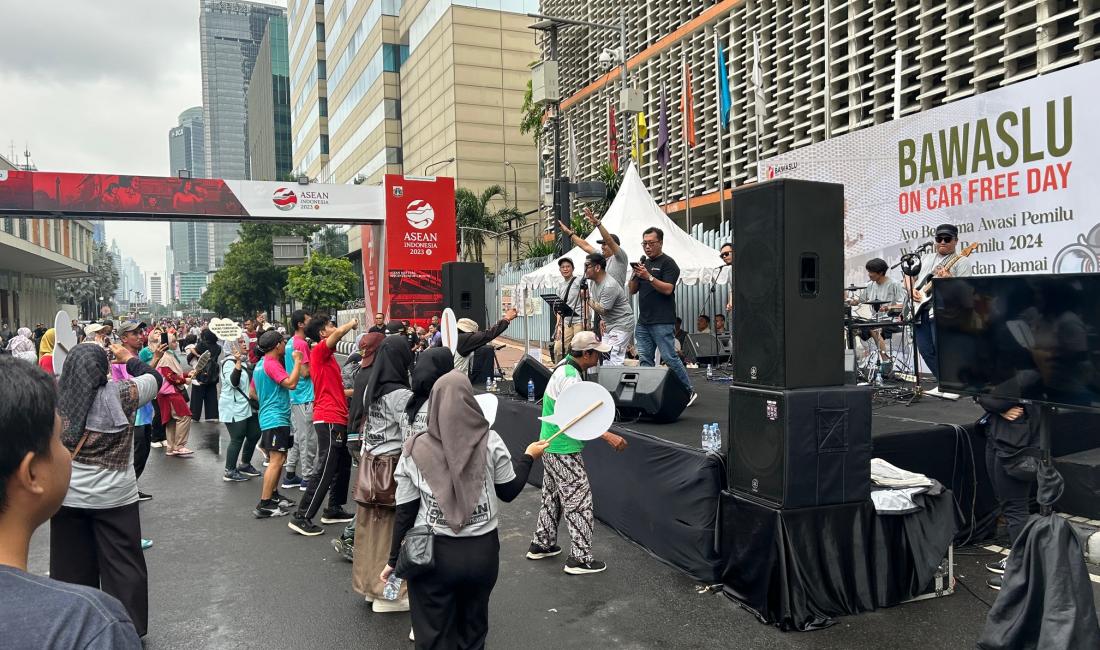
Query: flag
x=724 y=101
x=758 y=81
x=612 y=136
x=687 y=109
x=574 y=155
x=641 y=130
x=663 y=152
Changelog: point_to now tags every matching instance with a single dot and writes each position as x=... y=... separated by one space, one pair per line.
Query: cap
x=394 y=327
x=467 y=325
x=91 y=329
x=130 y=326
x=613 y=236
x=583 y=341
x=269 y=340
x=108 y=323
x=947 y=229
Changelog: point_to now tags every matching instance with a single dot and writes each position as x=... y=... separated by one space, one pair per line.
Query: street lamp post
x=515 y=197
x=438 y=162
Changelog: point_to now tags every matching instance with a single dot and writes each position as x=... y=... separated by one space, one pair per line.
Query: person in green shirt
x=565 y=487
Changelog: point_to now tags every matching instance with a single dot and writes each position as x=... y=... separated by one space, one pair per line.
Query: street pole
x=559 y=245
x=623 y=73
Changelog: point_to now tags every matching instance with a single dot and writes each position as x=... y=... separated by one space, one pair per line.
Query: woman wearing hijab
x=386 y=395
x=204 y=386
x=45 y=350
x=443 y=482
x=241 y=420
x=22 y=347
x=95 y=538
x=174 y=412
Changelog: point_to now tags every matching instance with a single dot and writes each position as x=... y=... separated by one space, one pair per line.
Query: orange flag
x=687 y=108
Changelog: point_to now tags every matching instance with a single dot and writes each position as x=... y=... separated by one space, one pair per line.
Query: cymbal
x=876 y=303
x=853 y=288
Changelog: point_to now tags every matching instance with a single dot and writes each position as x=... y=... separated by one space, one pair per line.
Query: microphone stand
x=910 y=266
x=714 y=320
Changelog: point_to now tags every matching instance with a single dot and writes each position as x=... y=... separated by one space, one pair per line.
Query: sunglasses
x=650 y=243
x=944 y=239
x=726 y=254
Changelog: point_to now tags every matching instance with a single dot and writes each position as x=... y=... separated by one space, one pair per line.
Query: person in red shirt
x=332 y=472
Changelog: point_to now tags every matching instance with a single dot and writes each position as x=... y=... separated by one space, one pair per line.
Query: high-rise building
x=269 y=106
x=99 y=231
x=190 y=242
x=156 y=289
x=308 y=47
x=186 y=149
x=190 y=287
x=120 y=270
x=230 y=33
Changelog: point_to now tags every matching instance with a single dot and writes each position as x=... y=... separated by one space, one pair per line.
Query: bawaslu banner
x=1016 y=169
x=420 y=236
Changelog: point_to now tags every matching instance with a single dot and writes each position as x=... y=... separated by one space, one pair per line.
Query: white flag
x=574 y=156
x=757 y=81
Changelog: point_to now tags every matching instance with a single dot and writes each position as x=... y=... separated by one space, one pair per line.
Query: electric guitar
x=925 y=285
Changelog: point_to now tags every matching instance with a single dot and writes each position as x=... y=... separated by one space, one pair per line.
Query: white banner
x=1015 y=169
x=317 y=202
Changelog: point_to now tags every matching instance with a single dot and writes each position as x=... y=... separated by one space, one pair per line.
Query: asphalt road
x=218 y=578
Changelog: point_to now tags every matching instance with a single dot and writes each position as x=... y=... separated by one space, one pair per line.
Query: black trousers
x=1013 y=495
x=158 y=434
x=331 y=472
x=142 y=440
x=204 y=399
x=450 y=605
x=102 y=549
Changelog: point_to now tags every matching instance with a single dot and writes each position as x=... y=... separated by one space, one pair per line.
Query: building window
x=393 y=55
x=23 y=228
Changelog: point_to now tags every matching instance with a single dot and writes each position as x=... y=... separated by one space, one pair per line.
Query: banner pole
x=721 y=137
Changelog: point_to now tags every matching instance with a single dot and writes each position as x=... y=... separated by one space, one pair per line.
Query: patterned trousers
x=565 y=489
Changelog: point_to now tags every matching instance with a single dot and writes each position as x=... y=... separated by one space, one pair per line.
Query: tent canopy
x=631 y=213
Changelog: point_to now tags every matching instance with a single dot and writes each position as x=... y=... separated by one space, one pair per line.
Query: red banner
x=420 y=237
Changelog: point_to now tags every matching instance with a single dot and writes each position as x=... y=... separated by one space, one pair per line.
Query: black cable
x=985 y=602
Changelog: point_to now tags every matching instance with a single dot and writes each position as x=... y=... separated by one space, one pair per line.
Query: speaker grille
x=756 y=454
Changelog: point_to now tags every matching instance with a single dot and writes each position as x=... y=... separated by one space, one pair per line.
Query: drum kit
x=875 y=367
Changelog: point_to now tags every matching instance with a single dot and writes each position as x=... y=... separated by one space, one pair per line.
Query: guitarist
x=942 y=262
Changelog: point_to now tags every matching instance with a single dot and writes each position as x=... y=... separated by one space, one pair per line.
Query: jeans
x=303 y=455
x=660 y=337
x=925 y=332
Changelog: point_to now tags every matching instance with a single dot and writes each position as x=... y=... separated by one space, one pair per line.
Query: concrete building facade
x=308 y=86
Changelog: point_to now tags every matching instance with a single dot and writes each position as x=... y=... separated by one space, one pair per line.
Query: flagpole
x=662 y=113
x=721 y=137
x=685 y=151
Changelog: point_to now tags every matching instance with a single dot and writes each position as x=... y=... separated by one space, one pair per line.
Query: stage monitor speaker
x=464 y=290
x=528 y=369
x=701 y=348
x=655 y=393
x=800 y=448
x=789 y=270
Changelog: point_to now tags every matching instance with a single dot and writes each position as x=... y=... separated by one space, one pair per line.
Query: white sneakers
x=383 y=606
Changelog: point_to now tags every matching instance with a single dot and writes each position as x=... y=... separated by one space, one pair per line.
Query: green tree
x=532 y=116
x=249 y=281
x=540 y=248
x=86 y=290
x=332 y=241
x=473 y=211
x=323 y=282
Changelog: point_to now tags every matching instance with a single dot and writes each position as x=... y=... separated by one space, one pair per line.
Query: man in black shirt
x=654 y=281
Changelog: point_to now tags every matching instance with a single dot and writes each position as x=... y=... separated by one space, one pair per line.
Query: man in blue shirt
x=37 y=612
x=271 y=385
x=303 y=455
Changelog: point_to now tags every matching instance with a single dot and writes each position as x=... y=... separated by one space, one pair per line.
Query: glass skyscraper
x=230 y=33
x=269 y=107
x=186 y=146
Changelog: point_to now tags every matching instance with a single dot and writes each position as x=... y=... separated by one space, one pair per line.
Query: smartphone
x=164 y=338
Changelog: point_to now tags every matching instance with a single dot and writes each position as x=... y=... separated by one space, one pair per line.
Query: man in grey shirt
x=609 y=300
x=618 y=265
x=880 y=289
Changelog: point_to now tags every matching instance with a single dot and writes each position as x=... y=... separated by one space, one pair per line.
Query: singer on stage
x=943 y=261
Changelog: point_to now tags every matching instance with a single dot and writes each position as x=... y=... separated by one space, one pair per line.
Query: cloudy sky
x=95 y=86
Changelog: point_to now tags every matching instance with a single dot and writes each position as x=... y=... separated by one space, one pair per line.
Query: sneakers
x=144 y=497
x=995 y=582
x=345 y=548
x=232 y=475
x=336 y=516
x=997 y=567
x=291 y=481
x=303 y=486
x=282 y=501
x=412 y=635
x=576 y=567
x=694 y=396
x=157 y=445
x=383 y=605
x=269 y=508
x=303 y=526
x=146 y=544
x=249 y=470
x=536 y=552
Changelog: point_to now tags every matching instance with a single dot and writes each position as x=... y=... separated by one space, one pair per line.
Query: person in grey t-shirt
x=35 y=611
x=608 y=299
x=880 y=289
x=618 y=266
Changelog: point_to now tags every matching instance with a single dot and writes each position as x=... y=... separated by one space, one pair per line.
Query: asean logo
x=284 y=198
x=420 y=214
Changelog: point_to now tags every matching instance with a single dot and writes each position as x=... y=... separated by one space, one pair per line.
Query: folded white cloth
x=885 y=474
x=896 y=501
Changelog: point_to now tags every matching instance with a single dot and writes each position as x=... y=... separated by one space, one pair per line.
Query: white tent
x=632 y=212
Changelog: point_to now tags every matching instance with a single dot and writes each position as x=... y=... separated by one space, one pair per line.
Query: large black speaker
x=530 y=370
x=789 y=281
x=701 y=348
x=655 y=393
x=464 y=290
x=798 y=448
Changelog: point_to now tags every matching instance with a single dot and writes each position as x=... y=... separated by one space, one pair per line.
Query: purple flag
x=663 y=151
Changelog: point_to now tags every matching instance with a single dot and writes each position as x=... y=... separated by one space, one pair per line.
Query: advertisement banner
x=420 y=236
x=1013 y=168
x=123 y=196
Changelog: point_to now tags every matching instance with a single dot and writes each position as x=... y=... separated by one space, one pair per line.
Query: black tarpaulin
x=798 y=569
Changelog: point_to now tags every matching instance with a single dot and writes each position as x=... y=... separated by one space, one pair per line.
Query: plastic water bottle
x=706 y=437
x=710 y=372
x=530 y=390
x=488 y=384
x=392 y=588
x=716 y=436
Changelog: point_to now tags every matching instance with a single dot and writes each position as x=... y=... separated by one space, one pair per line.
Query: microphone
x=924 y=247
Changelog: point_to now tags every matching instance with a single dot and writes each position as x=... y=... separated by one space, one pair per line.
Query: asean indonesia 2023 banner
x=1016 y=169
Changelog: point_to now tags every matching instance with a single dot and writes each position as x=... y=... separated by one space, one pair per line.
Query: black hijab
x=432 y=364
x=86 y=370
x=390 y=371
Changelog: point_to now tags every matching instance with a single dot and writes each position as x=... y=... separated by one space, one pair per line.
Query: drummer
x=883 y=295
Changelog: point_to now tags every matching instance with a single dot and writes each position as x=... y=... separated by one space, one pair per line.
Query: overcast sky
x=95 y=86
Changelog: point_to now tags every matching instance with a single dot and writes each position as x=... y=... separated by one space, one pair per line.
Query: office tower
x=269 y=107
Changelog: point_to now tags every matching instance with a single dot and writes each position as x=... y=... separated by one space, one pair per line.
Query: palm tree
x=473 y=211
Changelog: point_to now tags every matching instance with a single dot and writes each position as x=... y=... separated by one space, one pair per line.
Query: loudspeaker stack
x=464 y=290
x=798 y=436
